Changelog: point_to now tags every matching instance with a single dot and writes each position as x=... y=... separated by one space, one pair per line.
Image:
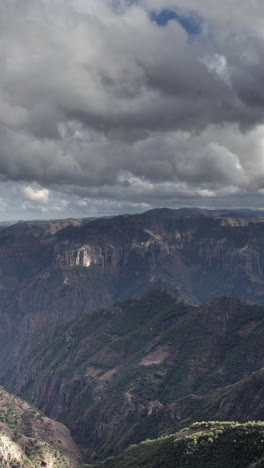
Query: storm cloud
x=104 y=110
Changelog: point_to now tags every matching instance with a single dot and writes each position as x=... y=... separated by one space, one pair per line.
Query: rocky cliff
x=102 y=369
x=28 y=439
x=121 y=374
x=56 y=271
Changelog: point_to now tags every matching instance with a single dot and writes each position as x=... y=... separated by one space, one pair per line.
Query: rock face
x=142 y=368
x=102 y=369
x=28 y=439
x=56 y=271
x=241 y=401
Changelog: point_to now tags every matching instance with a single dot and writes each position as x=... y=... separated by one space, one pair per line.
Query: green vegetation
x=144 y=368
x=203 y=445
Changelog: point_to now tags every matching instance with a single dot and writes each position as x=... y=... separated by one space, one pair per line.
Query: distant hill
x=5 y=224
x=58 y=270
x=231 y=213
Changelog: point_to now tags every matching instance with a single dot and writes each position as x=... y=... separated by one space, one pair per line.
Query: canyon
x=133 y=327
x=53 y=272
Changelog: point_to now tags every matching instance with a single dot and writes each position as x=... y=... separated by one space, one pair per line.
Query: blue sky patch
x=191 y=23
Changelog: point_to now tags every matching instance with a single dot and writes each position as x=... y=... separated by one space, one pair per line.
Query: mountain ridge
x=132 y=371
x=96 y=317
x=202 y=445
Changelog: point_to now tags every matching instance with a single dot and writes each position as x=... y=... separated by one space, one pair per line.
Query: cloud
x=38 y=195
x=82 y=203
x=99 y=103
x=116 y=73
x=3 y=206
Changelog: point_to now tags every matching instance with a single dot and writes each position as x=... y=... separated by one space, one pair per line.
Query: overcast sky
x=117 y=106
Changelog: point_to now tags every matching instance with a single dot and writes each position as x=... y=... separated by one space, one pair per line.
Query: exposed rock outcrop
x=56 y=271
x=142 y=368
x=28 y=439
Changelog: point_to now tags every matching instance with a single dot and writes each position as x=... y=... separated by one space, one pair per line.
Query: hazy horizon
x=110 y=215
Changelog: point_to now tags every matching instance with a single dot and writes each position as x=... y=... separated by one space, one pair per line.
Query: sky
x=119 y=106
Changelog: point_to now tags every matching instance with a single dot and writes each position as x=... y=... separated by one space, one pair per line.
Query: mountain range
x=56 y=271
x=143 y=368
x=136 y=326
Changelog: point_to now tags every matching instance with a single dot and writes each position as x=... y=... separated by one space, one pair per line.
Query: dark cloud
x=98 y=103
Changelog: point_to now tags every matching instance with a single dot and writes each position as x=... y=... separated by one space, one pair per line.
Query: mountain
x=234 y=213
x=29 y=439
x=5 y=224
x=55 y=271
x=203 y=445
x=240 y=401
x=142 y=368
